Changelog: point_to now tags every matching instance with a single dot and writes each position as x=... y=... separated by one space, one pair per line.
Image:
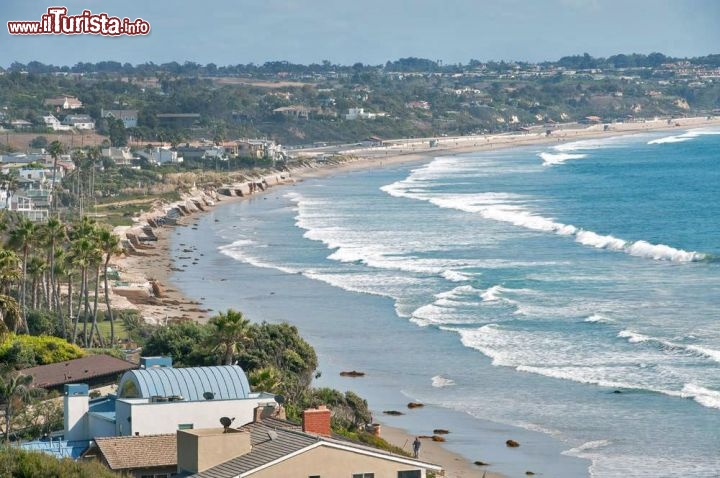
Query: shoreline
x=158 y=264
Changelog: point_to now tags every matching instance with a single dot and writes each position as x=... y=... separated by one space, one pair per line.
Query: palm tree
x=9 y=314
x=231 y=331
x=110 y=245
x=14 y=391
x=53 y=233
x=21 y=238
x=9 y=269
x=36 y=268
x=55 y=149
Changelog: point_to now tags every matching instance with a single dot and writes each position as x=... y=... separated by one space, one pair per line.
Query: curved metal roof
x=224 y=382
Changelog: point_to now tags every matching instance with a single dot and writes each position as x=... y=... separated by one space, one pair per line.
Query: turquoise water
x=571 y=291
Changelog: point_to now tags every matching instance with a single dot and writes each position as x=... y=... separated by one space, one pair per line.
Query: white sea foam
x=237 y=250
x=681 y=138
x=438 y=381
x=579 y=451
x=634 y=337
x=598 y=318
x=704 y=396
x=493 y=293
x=551 y=159
x=512 y=209
x=456 y=276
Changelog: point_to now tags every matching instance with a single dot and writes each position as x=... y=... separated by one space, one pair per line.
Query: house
x=81 y=122
x=138 y=456
x=270 y=447
x=359 y=113
x=159 y=399
x=95 y=370
x=63 y=103
x=54 y=124
x=20 y=124
x=259 y=149
x=128 y=117
x=119 y=156
x=161 y=155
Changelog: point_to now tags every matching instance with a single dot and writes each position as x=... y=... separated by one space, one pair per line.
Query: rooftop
x=224 y=382
x=124 y=453
x=78 y=370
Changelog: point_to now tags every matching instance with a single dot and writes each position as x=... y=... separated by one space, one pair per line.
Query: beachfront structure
x=271 y=447
x=259 y=149
x=161 y=155
x=120 y=156
x=158 y=399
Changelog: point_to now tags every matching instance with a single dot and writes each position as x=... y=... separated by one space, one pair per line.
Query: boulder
x=438 y=438
x=393 y=412
x=352 y=373
x=441 y=431
x=481 y=463
x=512 y=444
x=415 y=405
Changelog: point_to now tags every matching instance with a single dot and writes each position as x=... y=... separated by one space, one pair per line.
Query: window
x=185 y=426
x=314 y=476
x=409 y=474
x=363 y=475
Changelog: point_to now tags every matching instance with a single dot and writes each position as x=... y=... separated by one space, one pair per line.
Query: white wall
x=100 y=427
x=165 y=417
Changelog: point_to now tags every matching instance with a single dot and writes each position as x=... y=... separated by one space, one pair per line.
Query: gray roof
x=192 y=383
x=264 y=450
x=288 y=439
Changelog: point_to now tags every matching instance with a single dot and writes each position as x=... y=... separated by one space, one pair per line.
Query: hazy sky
x=371 y=31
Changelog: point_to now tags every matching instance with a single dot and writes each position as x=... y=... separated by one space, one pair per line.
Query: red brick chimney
x=317 y=421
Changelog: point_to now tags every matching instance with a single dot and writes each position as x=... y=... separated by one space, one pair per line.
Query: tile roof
x=78 y=370
x=124 y=453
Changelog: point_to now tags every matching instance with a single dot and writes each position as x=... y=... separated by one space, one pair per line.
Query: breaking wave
x=551 y=159
x=510 y=208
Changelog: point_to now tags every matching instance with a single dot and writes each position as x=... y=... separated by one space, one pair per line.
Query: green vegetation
x=28 y=351
x=23 y=464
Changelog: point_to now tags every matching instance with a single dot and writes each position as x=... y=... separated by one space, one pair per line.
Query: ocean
x=565 y=296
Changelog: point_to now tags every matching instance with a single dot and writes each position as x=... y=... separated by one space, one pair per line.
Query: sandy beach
x=150 y=268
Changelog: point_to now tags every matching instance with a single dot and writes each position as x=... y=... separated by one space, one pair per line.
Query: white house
x=128 y=117
x=64 y=102
x=359 y=113
x=82 y=122
x=120 y=156
x=161 y=155
x=54 y=124
x=158 y=398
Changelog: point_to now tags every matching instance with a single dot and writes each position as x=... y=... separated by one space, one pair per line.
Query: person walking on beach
x=416 y=447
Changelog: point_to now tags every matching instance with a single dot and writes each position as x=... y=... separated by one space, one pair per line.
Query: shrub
x=23 y=351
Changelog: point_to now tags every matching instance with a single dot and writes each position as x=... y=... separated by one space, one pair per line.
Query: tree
x=117 y=133
x=54 y=233
x=55 y=150
x=110 y=246
x=21 y=237
x=14 y=393
x=182 y=341
x=230 y=333
x=9 y=314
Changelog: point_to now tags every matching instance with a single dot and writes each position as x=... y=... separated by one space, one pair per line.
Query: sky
x=228 y=32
